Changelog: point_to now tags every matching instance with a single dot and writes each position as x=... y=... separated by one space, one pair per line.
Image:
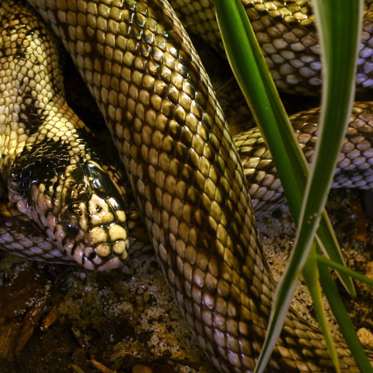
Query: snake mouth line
x=86 y=257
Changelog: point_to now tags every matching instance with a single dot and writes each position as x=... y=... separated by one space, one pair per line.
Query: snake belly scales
x=190 y=179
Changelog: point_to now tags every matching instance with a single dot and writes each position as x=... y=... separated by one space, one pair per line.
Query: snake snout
x=92 y=223
x=94 y=247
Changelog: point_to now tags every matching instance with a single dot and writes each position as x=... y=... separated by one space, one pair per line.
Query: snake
x=185 y=176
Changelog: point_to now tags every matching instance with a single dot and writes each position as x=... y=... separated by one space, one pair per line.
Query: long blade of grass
x=250 y=70
x=339 y=37
x=254 y=78
x=341 y=315
x=311 y=278
x=358 y=276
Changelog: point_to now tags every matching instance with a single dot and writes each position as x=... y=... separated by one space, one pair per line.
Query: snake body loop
x=184 y=168
x=54 y=180
x=286 y=32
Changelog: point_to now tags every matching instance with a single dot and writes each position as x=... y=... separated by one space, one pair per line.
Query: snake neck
x=30 y=80
x=49 y=172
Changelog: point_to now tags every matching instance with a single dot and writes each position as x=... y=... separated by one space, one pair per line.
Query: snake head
x=91 y=225
x=76 y=204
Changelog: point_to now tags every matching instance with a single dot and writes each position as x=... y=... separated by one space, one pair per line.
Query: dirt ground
x=62 y=319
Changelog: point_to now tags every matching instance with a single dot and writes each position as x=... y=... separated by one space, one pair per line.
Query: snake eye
x=71 y=230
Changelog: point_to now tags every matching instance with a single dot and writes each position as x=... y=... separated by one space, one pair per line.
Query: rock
x=365 y=337
x=369 y=270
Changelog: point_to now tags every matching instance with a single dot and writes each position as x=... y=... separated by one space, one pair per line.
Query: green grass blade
x=358 y=276
x=250 y=70
x=339 y=42
x=341 y=315
x=328 y=243
x=311 y=278
x=252 y=74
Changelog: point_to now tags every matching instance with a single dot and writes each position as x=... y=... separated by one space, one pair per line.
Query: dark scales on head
x=31 y=114
x=39 y=164
x=100 y=181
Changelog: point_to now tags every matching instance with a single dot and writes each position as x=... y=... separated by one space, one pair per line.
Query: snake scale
x=181 y=161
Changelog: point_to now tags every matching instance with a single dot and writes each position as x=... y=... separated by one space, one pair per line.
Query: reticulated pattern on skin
x=51 y=176
x=286 y=33
x=148 y=81
x=223 y=336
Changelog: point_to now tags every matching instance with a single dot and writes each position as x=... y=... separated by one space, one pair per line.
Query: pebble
x=369 y=270
x=366 y=337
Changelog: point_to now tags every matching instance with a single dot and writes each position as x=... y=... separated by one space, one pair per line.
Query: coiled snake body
x=182 y=163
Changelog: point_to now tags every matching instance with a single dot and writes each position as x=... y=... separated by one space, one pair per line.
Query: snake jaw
x=93 y=222
x=92 y=225
x=87 y=257
x=81 y=254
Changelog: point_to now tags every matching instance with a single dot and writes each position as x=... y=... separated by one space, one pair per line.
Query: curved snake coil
x=182 y=163
x=54 y=186
x=286 y=33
